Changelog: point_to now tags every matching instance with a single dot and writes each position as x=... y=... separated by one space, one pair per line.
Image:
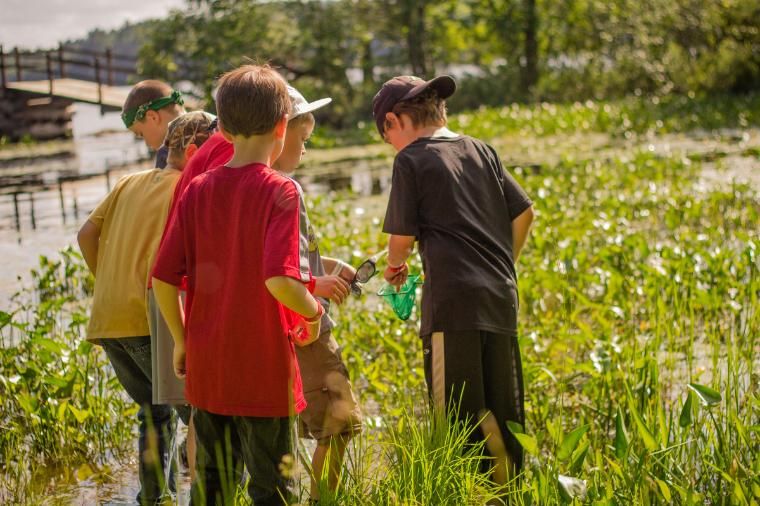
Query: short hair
x=251 y=100
x=426 y=109
x=300 y=119
x=146 y=91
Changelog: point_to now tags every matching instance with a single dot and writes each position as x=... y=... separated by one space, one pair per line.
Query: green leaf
x=570 y=442
x=646 y=435
x=579 y=456
x=664 y=489
x=527 y=442
x=515 y=428
x=621 y=436
x=48 y=344
x=27 y=403
x=80 y=414
x=685 y=419
x=707 y=395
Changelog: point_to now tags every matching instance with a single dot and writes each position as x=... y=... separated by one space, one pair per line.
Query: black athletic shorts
x=484 y=370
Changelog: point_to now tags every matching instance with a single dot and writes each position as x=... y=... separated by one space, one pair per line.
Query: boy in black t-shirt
x=451 y=194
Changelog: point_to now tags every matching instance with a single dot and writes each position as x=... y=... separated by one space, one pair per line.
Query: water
x=44 y=217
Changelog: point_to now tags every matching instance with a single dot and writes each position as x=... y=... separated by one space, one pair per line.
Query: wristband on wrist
x=337 y=268
x=316 y=317
x=396 y=268
x=311 y=284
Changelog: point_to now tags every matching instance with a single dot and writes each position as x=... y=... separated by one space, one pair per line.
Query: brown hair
x=146 y=91
x=251 y=100
x=426 y=109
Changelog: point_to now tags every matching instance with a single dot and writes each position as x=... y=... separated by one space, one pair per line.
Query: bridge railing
x=52 y=64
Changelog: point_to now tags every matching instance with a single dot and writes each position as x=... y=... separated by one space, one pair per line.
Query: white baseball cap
x=301 y=105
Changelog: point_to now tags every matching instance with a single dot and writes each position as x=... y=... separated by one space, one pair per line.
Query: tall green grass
x=62 y=412
x=640 y=333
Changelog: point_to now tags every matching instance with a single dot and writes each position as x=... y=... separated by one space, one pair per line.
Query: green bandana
x=138 y=113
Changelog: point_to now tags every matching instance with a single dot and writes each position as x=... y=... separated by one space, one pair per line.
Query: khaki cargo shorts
x=331 y=408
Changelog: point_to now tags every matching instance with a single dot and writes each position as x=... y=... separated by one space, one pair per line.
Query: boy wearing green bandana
x=149 y=108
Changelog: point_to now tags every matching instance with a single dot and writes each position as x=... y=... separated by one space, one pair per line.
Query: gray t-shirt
x=455 y=197
x=311 y=260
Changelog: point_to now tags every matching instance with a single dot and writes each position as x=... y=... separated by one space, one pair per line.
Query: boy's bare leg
x=331 y=453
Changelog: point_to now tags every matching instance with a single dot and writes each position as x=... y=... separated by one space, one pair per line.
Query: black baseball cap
x=403 y=88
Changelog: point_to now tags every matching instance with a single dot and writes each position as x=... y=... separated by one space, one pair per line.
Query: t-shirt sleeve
x=281 y=240
x=171 y=260
x=303 y=235
x=401 y=216
x=517 y=200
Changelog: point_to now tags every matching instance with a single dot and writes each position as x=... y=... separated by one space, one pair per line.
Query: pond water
x=44 y=199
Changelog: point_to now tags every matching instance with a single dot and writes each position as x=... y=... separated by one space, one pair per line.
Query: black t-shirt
x=455 y=197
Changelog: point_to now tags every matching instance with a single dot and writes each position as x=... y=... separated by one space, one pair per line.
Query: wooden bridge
x=94 y=71
x=37 y=88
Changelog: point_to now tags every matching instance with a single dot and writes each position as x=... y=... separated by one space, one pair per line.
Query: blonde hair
x=190 y=128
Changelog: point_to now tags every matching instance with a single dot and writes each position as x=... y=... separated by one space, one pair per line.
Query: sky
x=32 y=24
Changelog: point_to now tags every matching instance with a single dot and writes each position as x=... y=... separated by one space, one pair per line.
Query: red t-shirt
x=234 y=228
x=215 y=152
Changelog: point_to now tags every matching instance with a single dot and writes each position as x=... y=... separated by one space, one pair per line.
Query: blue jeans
x=130 y=358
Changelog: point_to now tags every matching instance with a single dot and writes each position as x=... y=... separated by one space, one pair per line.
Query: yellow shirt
x=131 y=220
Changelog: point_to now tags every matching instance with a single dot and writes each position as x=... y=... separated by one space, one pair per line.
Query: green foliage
x=61 y=407
x=639 y=332
x=502 y=50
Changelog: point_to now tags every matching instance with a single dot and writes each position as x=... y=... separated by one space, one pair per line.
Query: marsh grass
x=62 y=412
x=640 y=333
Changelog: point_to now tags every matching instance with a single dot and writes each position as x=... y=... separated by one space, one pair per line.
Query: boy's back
x=131 y=219
x=454 y=196
x=234 y=228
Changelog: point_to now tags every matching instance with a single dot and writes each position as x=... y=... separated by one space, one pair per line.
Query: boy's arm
x=294 y=295
x=335 y=267
x=399 y=249
x=335 y=284
x=520 y=230
x=89 y=239
x=167 y=298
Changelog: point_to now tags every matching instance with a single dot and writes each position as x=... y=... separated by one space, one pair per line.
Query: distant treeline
x=502 y=50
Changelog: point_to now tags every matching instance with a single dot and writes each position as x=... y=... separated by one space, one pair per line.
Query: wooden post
x=2 y=65
x=15 y=211
x=61 y=68
x=49 y=68
x=97 y=80
x=108 y=176
x=76 y=206
x=63 y=202
x=18 y=63
x=109 y=67
x=31 y=208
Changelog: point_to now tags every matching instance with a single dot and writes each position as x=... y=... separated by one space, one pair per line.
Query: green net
x=402 y=301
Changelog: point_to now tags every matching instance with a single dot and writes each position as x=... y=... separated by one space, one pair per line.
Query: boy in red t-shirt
x=235 y=236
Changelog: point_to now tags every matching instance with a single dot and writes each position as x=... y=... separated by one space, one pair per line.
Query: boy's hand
x=396 y=276
x=306 y=332
x=335 y=288
x=179 y=361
